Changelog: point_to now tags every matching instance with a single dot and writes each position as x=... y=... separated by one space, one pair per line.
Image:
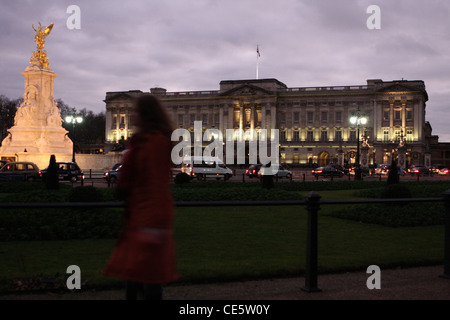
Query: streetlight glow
x=358 y=118
x=73 y=119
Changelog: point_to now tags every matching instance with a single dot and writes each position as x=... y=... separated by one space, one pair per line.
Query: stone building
x=313 y=122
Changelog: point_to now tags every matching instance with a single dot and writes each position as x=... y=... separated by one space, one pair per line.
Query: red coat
x=145 y=252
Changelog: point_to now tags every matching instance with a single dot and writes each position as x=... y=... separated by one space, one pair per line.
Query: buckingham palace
x=313 y=122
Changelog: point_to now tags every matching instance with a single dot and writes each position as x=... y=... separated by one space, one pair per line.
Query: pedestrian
x=144 y=255
x=51 y=178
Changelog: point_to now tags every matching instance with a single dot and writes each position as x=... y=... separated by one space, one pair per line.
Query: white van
x=206 y=167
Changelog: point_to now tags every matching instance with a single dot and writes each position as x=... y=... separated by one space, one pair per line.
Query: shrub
x=85 y=194
x=396 y=191
x=181 y=178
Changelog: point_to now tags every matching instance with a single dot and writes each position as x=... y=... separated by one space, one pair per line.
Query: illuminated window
x=409 y=135
x=386 y=135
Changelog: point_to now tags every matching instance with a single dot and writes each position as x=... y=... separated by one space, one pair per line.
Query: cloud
x=193 y=45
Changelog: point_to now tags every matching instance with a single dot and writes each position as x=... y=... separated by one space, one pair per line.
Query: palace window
x=409 y=135
x=324 y=116
x=296 y=117
x=310 y=116
x=296 y=136
x=310 y=136
x=324 y=136
x=352 y=136
x=338 y=116
x=397 y=134
x=409 y=115
x=338 y=136
x=385 y=135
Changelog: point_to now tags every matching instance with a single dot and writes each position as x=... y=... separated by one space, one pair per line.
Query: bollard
x=304 y=177
x=313 y=207
x=446 y=274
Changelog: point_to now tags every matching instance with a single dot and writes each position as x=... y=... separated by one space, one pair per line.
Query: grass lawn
x=227 y=243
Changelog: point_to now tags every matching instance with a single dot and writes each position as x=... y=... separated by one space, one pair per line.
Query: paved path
x=421 y=283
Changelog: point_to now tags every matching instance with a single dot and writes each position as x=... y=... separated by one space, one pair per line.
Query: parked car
x=327 y=171
x=444 y=172
x=341 y=168
x=20 y=171
x=206 y=167
x=364 y=171
x=436 y=168
x=112 y=175
x=277 y=170
x=253 y=170
x=69 y=171
x=419 y=170
x=382 y=168
x=3 y=162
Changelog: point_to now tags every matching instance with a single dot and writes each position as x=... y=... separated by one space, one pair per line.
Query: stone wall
x=85 y=161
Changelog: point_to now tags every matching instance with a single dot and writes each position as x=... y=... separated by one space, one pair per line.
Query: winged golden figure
x=40 y=55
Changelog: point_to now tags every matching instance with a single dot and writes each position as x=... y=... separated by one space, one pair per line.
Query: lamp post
x=74 y=120
x=358 y=118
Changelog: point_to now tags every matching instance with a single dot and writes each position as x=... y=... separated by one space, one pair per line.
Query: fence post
x=313 y=207
x=446 y=196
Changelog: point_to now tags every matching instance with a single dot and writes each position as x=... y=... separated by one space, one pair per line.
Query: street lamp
x=74 y=120
x=358 y=118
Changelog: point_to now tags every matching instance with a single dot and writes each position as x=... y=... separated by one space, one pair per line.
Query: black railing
x=312 y=204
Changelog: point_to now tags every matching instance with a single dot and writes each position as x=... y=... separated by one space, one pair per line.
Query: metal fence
x=312 y=205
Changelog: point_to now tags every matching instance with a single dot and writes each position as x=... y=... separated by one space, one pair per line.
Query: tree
x=8 y=110
x=90 y=131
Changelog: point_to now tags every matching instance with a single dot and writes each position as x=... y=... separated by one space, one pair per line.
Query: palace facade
x=313 y=122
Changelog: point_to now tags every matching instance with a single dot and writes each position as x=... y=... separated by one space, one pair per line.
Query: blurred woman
x=144 y=255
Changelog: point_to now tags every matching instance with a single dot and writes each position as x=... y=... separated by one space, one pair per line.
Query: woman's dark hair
x=153 y=115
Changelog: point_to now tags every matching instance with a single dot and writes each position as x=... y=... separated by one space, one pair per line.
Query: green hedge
x=71 y=223
x=399 y=215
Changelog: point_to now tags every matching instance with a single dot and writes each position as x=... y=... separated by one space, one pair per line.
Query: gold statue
x=40 y=56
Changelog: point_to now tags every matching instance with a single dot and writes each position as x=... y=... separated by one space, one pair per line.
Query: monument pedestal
x=37 y=129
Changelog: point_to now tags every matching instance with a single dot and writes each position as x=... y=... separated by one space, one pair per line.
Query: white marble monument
x=37 y=132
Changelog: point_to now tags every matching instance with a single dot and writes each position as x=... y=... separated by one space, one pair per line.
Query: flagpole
x=257 y=62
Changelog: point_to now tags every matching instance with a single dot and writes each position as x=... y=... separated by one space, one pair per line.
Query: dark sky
x=192 y=45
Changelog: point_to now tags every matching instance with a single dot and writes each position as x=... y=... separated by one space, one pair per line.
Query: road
x=95 y=178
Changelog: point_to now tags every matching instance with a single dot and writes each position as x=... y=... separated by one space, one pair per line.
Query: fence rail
x=312 y=204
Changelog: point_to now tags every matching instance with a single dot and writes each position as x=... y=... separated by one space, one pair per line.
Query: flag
x=257 y=51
